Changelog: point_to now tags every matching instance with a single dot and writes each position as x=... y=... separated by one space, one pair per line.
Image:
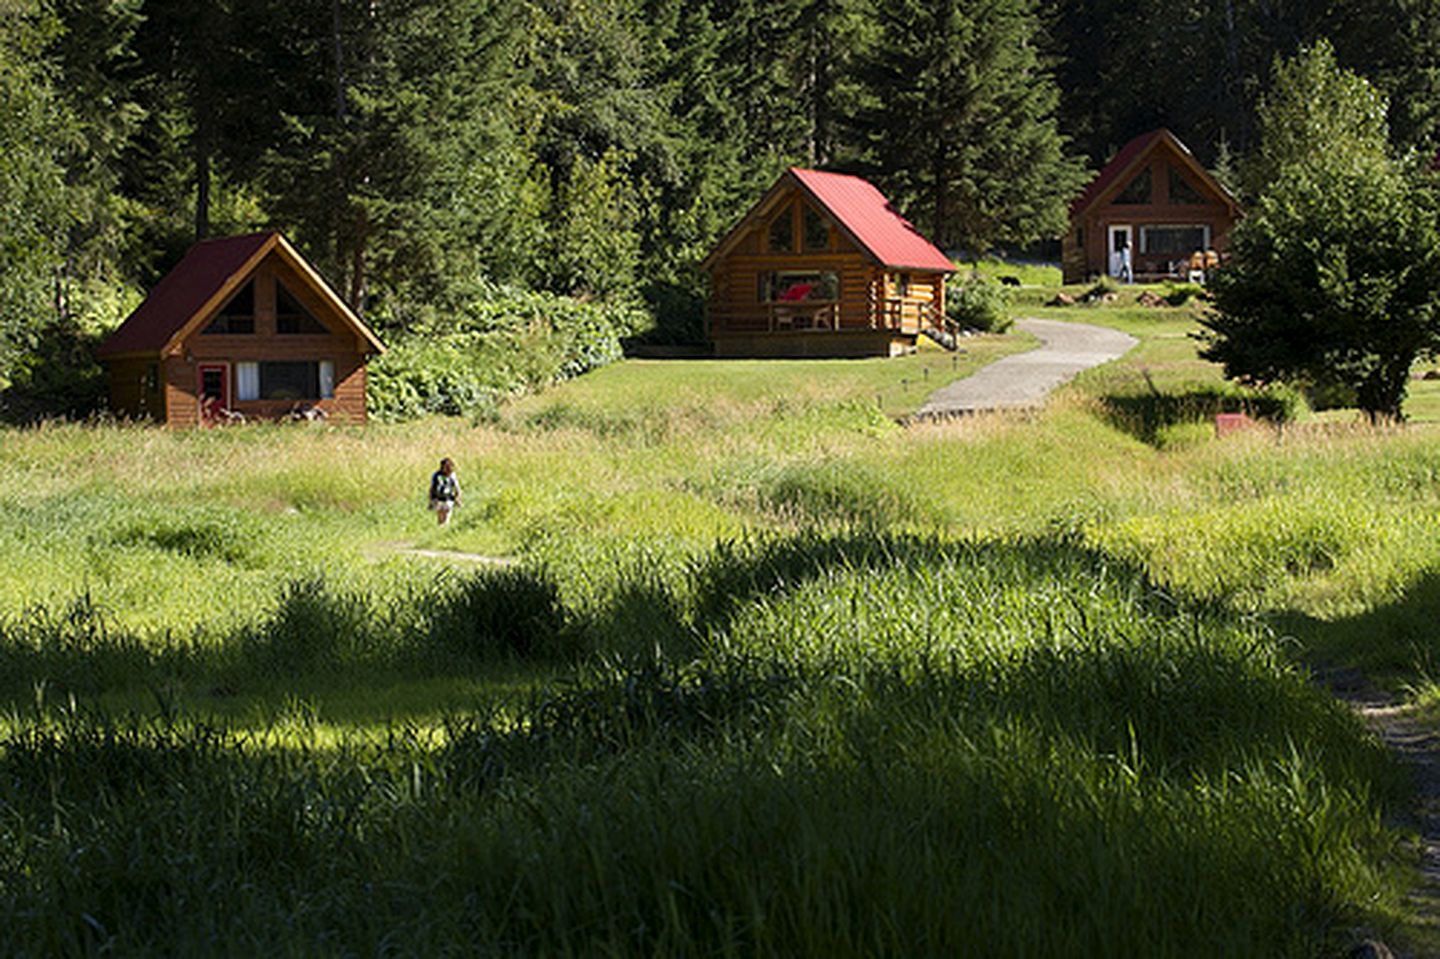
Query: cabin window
x=238 y=315
x=1174 y=240
x=1182 y=191
x=247 y=381
x=817 y=231
x=1137 y=191
x=291 y=317
x=285 y=380
x=798 y=287
x=902 y=284
x=782 y=232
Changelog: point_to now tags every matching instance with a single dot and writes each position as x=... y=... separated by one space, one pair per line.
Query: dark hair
x=447 y=461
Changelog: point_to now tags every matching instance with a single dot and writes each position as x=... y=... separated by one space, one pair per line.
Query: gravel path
x=1025 y=379
x=1412 y=738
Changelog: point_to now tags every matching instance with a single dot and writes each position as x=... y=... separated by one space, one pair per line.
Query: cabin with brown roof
x=823 y=266
x=242 y=328
x=1155 y=200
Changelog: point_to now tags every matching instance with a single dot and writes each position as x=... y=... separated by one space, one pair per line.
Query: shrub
x=980 y=303
x=1178 y=294
x=496 y=342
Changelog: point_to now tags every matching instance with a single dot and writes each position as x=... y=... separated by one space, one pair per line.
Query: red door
x=214 y=391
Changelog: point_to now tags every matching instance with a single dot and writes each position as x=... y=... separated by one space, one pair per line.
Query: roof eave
x=221 y=295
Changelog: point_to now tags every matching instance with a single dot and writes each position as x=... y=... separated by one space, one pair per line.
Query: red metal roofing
x=1128 y=154
x=182 y=292
x=871 y=219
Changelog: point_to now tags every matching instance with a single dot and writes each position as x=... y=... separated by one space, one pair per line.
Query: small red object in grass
x=1227 y=423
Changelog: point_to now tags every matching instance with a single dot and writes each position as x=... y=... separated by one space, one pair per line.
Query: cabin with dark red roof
x=1155 y=200
x=823 y=265
x=242 y=328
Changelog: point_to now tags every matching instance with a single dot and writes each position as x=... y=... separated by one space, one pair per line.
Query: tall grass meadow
x=714 y=659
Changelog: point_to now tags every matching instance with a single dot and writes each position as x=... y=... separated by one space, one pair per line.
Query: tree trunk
x=202 y=187
x=339 y=62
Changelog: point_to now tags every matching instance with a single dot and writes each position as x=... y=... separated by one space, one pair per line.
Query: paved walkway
x=1025 y=379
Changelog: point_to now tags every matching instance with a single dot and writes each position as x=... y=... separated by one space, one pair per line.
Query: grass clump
x=508 y=612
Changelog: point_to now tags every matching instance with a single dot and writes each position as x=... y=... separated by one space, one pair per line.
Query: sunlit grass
x=733 y=637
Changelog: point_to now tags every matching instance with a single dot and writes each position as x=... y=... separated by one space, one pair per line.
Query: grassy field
x=755 y=670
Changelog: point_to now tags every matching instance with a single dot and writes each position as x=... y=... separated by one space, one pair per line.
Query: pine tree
x=34 y=209
x=960 y=127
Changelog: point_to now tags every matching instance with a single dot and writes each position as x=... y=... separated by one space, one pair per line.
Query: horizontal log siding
x=129 y=395
x=736 y=304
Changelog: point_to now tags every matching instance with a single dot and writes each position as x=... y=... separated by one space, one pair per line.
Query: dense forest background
x=419 y=150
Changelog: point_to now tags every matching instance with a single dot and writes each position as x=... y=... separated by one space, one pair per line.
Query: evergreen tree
x=367 y=170
x=34 y=207
x=960 y=127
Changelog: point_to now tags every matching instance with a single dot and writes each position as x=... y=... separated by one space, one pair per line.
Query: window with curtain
x=285 y=380
x=247 y=381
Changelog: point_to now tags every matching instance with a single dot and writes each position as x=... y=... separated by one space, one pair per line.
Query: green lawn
x=764 y=663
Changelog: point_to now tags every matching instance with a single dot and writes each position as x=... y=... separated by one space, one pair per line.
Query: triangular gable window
x=1182 y=191
x=782 y=232
x=1138 y=191
x=238 y=315
x=291 y=317
x=817 y=231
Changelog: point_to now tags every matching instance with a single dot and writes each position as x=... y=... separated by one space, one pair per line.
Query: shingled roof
x=1129 y=157
x=208 y=275
x=862 y=212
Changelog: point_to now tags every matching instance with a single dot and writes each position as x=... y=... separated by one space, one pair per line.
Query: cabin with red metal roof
x=1155 y=201
x=823 y=265
x=242 y=328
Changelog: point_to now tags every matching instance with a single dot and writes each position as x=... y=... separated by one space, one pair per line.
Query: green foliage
x=722 y=665
x=1315 y=111
x=1190 y=51
x=34 y=210
x=498 y=342
x=511 y=611
x=871 y=712
x=1178 y=294
x=978 y=159
x=1334 y=275
x=979 y=303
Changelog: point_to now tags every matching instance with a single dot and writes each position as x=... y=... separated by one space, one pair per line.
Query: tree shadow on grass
x=1400 y=640
x=1147 y=415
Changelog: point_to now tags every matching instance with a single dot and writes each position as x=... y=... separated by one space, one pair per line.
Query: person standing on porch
x=444 y=491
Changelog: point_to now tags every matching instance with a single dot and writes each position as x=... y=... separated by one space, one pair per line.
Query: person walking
x=444 y=491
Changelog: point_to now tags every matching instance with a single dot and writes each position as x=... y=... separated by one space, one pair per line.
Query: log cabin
x=242 y=328
x=823 y=266
x=1154 y=199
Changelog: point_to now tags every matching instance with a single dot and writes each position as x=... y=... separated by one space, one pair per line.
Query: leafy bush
x=497 y=342
x=1102 y=288
x=979 y=304
x=1178 y=294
